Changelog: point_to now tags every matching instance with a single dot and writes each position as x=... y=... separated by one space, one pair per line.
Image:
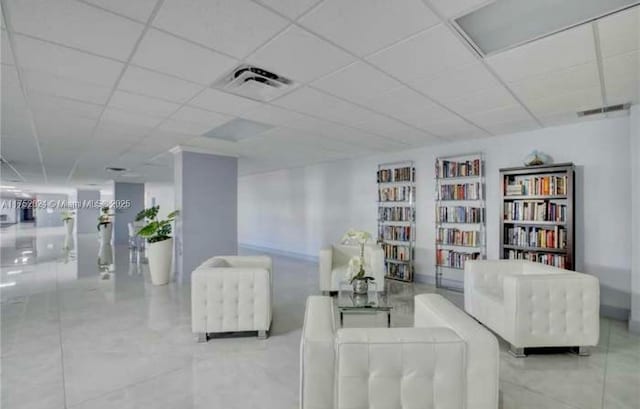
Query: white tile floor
x=77 y=335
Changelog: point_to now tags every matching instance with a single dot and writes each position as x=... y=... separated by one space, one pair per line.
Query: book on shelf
x=396 y=252
x=396 y=214
x=459 y=214
x=404 y=174
x=454 y=259
x=459 y=191
x=451 y=169
x=556 y=260
x=540 y=210
x=539 y=237
x=399 y=271
x=458 y=237
x=396 y=193
x=395 y=233
x=536 y=186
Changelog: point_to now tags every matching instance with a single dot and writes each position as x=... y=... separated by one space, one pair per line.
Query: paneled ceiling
x=88 y=84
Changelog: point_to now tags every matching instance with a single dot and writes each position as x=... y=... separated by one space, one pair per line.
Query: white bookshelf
x=460 y=228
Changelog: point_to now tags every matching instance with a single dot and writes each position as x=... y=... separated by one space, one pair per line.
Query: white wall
x=8 y=208
x=162 y=194
x=302 y=209
x=634 y=138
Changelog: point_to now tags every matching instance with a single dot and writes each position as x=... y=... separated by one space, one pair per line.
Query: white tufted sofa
x=446 y=361
x=231 y=294
x=334 y=265
x=533 y=305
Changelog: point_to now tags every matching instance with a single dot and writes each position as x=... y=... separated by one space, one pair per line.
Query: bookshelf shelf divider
x=460 y=227
x=397 y=218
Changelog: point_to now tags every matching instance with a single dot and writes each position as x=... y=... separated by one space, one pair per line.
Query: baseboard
x=277 y=252
x=634 y=327
x=616 y=313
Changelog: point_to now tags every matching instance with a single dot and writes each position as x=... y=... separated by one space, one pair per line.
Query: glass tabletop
x=372 y=301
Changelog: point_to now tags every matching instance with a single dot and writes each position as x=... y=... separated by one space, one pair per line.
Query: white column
x=634 y=134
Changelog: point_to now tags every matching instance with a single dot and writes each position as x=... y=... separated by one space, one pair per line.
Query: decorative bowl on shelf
x=537 y=158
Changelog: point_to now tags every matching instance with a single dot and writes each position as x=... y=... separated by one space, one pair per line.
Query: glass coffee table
x=370 y=303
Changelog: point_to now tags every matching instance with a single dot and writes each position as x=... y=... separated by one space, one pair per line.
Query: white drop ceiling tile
x=55 y=125
x=562 y=50
x=273 y=115
x=558 y=82
x=139 y=9
x=67 y=63
x=457 y=8
x=141 y=104
x=500 y=115
x=365 y=26
x=567 y=118
x=10 y=84
x=409 y=106
x=128 y=118
x=504 y=128
x=77 y=25
x=62 y=107
x=622 y=67
x=153 y=84
x=456 y=129
x=424 y=55
x=566 y=104
x=48 y=84
x=358 y=82
x=6 y=55
x=311 y=140
x=620 y=32
x=16 y=124
x=165 y=53
x=414 y=137
x=222 y=102
x=382 y=125
x=299 y=55
x=484 y=100
x=290 y=8
x=201 y=116
x=183 y=127
x=622 y=92
x=357 y=137
x=457 y=82
x=235 y=27
x=108 y=132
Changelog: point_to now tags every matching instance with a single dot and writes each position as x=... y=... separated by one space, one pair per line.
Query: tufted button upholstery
x=334 y=265
x=537 y=306
x=447 y=361
x=232 y=298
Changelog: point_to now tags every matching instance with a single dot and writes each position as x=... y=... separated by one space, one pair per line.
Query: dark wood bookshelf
x=510 y=176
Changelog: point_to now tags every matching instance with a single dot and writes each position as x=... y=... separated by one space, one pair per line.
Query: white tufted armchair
x=231 y=294
x=533 y=305
x=333 y=265
x=446 y=361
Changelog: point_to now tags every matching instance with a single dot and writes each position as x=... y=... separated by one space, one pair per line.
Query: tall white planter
x=105 y=232
x=68 y=224
x=160 y=255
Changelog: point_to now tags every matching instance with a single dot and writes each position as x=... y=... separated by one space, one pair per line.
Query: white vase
x=105 y=232
x=68 y=224
x=160 y=255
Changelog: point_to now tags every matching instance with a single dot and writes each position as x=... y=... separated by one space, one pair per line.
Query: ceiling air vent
x=604 y=110
x=115 y=169
x=255 y=83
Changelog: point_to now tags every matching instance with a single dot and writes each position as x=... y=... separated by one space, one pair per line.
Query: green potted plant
x=359 y=280
x=157 y=233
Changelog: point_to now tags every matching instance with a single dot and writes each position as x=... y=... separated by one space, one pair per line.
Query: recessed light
x=7 y=187
x=9 y=284
x=14 y=272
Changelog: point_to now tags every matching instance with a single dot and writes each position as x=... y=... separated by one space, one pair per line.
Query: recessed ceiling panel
x=238 y=129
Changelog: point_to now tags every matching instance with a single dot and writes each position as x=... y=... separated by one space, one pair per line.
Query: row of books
x=451 y=169
x=555 y=238
x=400 y=271
x=454 y=259
x=459 y=214
x=396 y=214
x=396 y=194
x=557 y=260
x=538 y=186
x=396 y=252
x=535 y=211
x=463 y=191
x=458 y=237
x=398 y=233
x=406 y=174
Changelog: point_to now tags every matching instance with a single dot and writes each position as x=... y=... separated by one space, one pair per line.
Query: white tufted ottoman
x=231 y=294
x=533 y=305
